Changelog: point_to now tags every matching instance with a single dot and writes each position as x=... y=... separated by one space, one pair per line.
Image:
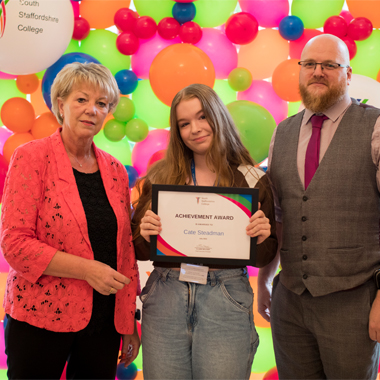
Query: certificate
x=205 y=225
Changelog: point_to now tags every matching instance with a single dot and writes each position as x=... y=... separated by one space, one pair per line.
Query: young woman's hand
x=258 y=226
x=150 y=225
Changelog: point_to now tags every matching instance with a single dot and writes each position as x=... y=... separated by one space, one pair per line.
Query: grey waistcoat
x=331 y=230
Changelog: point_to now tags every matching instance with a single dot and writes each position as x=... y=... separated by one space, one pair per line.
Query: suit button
x=304 y=198
x=304 y=219
x=304 y=238
x=304 y=276
x=304 y=257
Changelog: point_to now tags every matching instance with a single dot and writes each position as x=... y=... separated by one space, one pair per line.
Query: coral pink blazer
x=42 y=213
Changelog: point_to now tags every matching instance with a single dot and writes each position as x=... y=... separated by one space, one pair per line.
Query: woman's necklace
x=76 y=159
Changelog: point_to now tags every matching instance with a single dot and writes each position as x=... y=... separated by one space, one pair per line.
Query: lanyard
x=193 y=172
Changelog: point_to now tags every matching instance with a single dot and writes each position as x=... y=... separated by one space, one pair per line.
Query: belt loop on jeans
x=212 y=278
x=165 y=274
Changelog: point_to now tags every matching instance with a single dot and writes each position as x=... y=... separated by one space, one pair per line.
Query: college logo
x=198 y=198
x=3 y=16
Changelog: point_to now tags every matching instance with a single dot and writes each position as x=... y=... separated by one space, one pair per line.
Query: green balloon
x=314 y=13
x=157 y=9
x=264 y=357
x=136 y=130
x=240 y=79
x=213 y=13
x=293 y=108
x=114 y=130
x=367 y=59
x=101 y=44
x=41 y=74
x=8 y=89
x=137 y=361
x=120 y=149
x=149 y=108
x=125 y=110
x=256 y=126
x=73 y=47
x=225 y=92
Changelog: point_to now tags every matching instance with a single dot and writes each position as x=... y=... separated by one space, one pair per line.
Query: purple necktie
x=312 y=151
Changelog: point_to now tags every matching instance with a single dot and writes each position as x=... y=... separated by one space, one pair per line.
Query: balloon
x=156 y=157
x=44 y=126
x=156 y=140
x=183 y=12
x=114 y=130
x=153 y=8
x=128 y=373
x=168 y=28
x=351 y=45
x=53 y=70
x=210 y=13
x=145 y=27
x=268 y=13
x=336 y=25
x=17 y=115
x=73 y=47
x=136 y=130
x=155 y=113
x=359 y=29
x=126 y=81
x=262 y=55
x=101 y=44
x=347 y=16
x=220 y=50
x=285 y=80
x=367 y=60
x=81 y=28
x=313 y=13
x=132 y=175
x=8 y=89
x=125 y=19
x=272 y=374
x=256 y=126
x=293 y=108
x=143 y=58
x=7 y=76
x=28 y=44
x=75 y=5
x=27 y=84
x=262 y=92
x=365 y=8
x=178 y=66
x=3 y=172
x=365 y=90
x=241 y=28
x=190 y=32
x=120 y=149
x=259 y=320
x=127 y=43
x=100 y=14
x=4 y=134
x=14 y=142
x=264 y=357
x=291 y=28
x=125 y=110
x=296 y=47
x=240 y=79
x=38 y=101
x=224 y=91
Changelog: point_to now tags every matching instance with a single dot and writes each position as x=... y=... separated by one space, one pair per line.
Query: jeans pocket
x=238 y=292
x=149 y=286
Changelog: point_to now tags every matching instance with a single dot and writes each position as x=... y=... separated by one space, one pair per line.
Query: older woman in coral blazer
x=65 y=232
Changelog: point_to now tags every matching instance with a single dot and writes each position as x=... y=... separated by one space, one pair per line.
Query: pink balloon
x=146 y=53
x=4 y=266
x=296 y=47
x=156 y=140
x=75 y=5
x=4 y=134
x=220 y=50
x=3 y=356
x=262 y=92
x=347 y=16
x=252 y=271
x=268 y=13
x=7 y=76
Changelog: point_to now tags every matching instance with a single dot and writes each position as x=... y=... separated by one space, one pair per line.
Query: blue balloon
x=127 y=81
x=5 y=321
x=291 y=28
x=132 y=175
x=183 y=12
x=128 y=373
x=53 y=70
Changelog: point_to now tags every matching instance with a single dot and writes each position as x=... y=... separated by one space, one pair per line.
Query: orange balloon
x=285 y=80
x=13 y=142
x=44 y=125
x=18 y=115
x=27 y=84
x=263 y=54
x=178 y=66
x=3 y=283
x=135 y=192
x=365 y=8
x=259 y=320
x=38 y=101
x=100 y=13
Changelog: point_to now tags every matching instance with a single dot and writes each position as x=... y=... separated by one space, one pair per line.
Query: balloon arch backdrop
x=247 y=50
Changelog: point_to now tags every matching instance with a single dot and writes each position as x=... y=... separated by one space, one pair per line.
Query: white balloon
x=35 y=35
x=365 y=90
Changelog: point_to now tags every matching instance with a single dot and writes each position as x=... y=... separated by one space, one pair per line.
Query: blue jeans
x=192 y=331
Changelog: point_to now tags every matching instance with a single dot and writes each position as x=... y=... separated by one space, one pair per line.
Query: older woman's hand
x=150 y=225
x=258 y=226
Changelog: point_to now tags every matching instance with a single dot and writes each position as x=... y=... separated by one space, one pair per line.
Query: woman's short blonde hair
x=91 y=74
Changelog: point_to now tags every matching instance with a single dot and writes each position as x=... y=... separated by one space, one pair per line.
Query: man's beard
x=321 y=102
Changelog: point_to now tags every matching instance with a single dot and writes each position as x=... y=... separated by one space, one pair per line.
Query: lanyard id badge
x=193 y=273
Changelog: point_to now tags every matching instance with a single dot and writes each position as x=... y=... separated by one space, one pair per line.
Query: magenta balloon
x=156 y=140
x=4 y=266
x=220 y=50
x=268 y=13
x=261 y=92
x=4 y=134
x=146 y=53
x=7 y=76
x=75 y=5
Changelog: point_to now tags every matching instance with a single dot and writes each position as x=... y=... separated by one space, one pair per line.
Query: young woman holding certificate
x=191 y=330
